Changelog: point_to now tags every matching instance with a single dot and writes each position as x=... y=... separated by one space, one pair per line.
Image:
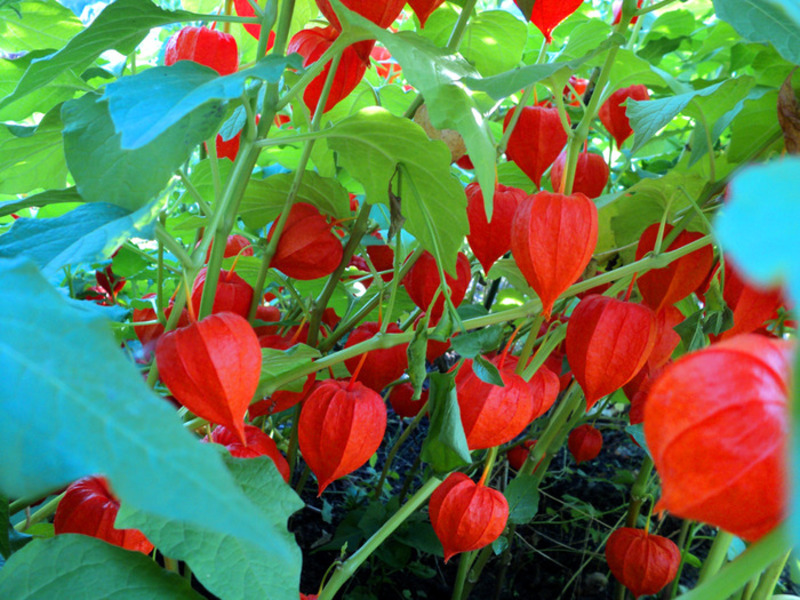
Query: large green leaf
x=65 y=364
x=144 y=106
x=373 y=143
x=43 y=24
x=72 y=566
x=264 y=199
x=104 y=172
x=63 y=87
x=755 y=125
x=233 y=568
x=121 y=26
x=65 y=196
x=480 y=43
x=89 y=233
x=445 y=446
x=34 y=161
x=772 y=21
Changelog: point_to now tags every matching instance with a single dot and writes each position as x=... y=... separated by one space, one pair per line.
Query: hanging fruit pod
x=614 y=116
x=466 y=515
x=716 y=423
x=209 y=47
x=401 y=399
x=667 y=339
x=547 y=14
x=552 y=238
x=491 y=240
x=608 y=342
x=89 y=508
x=584 y=443
x=341 y=425
x=381 y=367
x=518 y=454
x=536 y=141
x=212 y=367
x=591 y=174
x=662 y=287
x=423 y=280
x=257 y=444
x=642 y=562
x=383 y=14
x=233 y=294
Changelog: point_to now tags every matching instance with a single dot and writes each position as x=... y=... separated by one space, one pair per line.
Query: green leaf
x=372 y=143
x=89 y=233
x=776 y=22
x=121 y=26
x=145 y=106
x=276 y=363
x=647 y=117
x=65 y=85
x=761 y=237
x=104 y=172
x=522 y=494
x=33 y=162
x=481 y=46
x=43 y=24
x=230 y=567
x=67 y=364
x=264 y=199
x=416 y=352
x=480 y=341
x=487 y=372
x=755 y=125
x=79 y=566
x=637 y=432
x=445 y=446
x=65 y=196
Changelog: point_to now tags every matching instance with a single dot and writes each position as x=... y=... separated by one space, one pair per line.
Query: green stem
x=346 y=570
x=173 y=246
x=44 y=512
x=396 y=447
x=464 y=563
x=684 y=543
x=570 y=403
x=530 y=342
x=717 y=555
x=769 y=579
x=738 y=572
x=639 y=491
x=335 y=49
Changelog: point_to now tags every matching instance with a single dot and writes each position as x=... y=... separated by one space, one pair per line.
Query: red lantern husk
x=547 y=14
x=383 y=14
x=518 y=454
x=662 y=287
x=584 y=443
x=270 y=314
x=89 y=508
x=205 y=46
x=552 y=238
x=423 y=280
x=233 y=294
x=424 y=8
x=642 y=562
x=536 y=141
x=212 y=367
x=716 y=423
x=614 y=117
x=491 y=240
x=382 y=258
x=591 y=174
x=341 y=425
x=257 y=444
x=667 y=339
x=608 y=342
x=307 y=249
x=465 y=515
x=381 y=367
x=401 y=400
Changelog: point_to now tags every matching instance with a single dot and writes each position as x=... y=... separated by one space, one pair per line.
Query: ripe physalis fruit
x=381 y=13
x=423 y=280
x=716 y=422
x=662 y=287
x=493 y=415
x=401 y=399
x=491 y=240
x=212 y=368
x=591 y=174
x=341 y=425
x=552 y=238
x=258 y=444
x=424 y=8
x=536 y=141
x=642 y=562
x=308 y=248
x=579 y=85
x=235 y=245
x=519 y=454
x=311 y=44
x=608 y=342
x=380 y=367
x=88 y=507
x=233 y=294
x=205 y=46
x=466 y=515
x=751 y=305
x=613 y=116
x=584 y=443
x=547 y=14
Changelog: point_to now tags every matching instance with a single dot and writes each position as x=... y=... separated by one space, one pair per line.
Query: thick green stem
x=639 y=491
x=464 y=563
x=747 y=565
x=717 y=555
x=346 y=570
x=769 y=579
